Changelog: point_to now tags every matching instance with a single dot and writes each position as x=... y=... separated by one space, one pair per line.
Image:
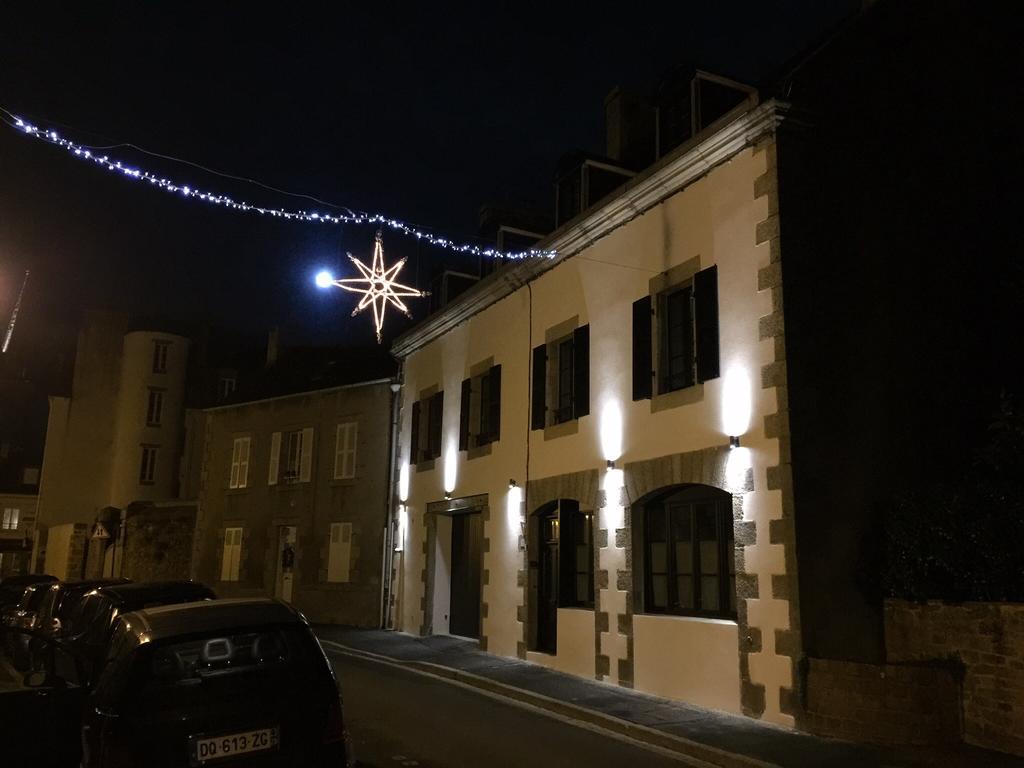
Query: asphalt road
x=397 y=717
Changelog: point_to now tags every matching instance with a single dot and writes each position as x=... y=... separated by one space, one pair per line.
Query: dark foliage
x=962 y=539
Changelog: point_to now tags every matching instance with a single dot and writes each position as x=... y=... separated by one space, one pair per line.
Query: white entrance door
x=285 y=562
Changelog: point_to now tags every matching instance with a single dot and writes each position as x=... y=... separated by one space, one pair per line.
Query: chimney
x=273 y=346
x=629 y=128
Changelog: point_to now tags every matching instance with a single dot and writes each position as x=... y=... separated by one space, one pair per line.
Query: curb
x=712 y=756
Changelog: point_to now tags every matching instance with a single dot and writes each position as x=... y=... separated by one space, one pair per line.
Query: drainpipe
x=388 y=556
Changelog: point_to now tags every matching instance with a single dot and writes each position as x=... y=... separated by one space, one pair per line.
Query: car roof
x=141 y=593
x=166 y=621
x=86 y=585
x=25 y=579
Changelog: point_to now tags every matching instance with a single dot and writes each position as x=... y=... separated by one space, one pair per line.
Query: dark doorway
x=547 y=597
x=467 y=538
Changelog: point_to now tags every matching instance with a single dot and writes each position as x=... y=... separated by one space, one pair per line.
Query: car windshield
x=32 y=598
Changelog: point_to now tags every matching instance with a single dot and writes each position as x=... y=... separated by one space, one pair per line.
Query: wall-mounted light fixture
x=512 y=484
x=447 y=496
x=734 y=441
x=610 y=464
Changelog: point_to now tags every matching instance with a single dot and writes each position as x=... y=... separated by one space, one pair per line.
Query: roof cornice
x=694 y=159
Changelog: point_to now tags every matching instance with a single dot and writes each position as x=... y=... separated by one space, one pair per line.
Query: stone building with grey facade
x=293 y=498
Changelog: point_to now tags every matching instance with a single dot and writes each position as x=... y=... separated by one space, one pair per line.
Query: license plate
x=218 y=747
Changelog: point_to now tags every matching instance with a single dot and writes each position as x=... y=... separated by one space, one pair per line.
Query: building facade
x=294 y=499
x=114 y=440
x=593 y=449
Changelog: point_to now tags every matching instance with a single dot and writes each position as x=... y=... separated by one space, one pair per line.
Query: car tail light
x=334 y=730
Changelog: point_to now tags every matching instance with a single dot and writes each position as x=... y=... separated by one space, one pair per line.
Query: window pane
x=709 y=593
x=656 y=524
x=582 y=588
x=707 y=531
x=684 y=587
x=659 y=561
x=659 y=591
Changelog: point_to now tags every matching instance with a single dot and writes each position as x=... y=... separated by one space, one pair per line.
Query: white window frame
x=288 y=467
x=339 y=553
x=232 y=554
x=241 y=450
x=345 y=445
x=160 y=356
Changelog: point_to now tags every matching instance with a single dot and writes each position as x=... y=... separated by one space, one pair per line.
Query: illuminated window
x=160 y=356
x=9 y=522
x=147 y=466
x=480 y=410
x=689 y=553
x=291 y=456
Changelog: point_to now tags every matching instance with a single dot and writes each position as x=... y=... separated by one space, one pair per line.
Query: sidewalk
x=717 y=738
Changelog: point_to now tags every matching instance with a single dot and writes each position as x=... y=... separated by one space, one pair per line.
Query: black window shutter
x=540 y=380
x=414 y=438
x=581 y=371
x=494 y=381
x=705 y=288
x=642 y=364
x=467 y=389
x=436 y=415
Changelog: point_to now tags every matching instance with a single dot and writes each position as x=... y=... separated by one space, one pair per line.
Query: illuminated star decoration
x=378 y=286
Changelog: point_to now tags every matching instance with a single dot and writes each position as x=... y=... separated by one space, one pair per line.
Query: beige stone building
x=113 y=441
x=591 y=446
x=294 y=499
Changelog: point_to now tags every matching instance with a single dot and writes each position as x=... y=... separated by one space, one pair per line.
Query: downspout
x=388 y=556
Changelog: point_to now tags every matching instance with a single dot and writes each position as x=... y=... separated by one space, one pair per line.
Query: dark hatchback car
x=91 y=626
x=214 y=684
x=21 y=619
x=59 y=603
x=13 y=587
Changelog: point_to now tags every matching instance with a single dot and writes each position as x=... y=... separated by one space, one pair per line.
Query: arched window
x=688 y=553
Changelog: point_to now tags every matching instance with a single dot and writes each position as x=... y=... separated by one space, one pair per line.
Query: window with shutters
x=425 y=439
x=675 y=334
x=346 y=435
x=689 y=565
x=291 y=456
x=480 y=409
x=232 y=554
x=155 y=407
x=561 y=379
x=240 y=451
x=339 y=552
x=147 y=465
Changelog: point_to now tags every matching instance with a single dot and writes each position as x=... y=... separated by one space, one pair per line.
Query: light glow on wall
x=513 y=514
x=403 y=526
x=611 y=430
x=740 y=460
x=736 y=401
x=613 y=513
x=403 y=482
x=451 y=468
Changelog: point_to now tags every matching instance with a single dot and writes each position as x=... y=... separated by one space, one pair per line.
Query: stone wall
x=885 y=703
x=158 y=543
x=988 y=640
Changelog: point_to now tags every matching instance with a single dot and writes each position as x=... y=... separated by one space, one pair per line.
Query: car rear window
x=233 y=654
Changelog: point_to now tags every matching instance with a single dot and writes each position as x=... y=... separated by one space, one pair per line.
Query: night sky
x=406 y=109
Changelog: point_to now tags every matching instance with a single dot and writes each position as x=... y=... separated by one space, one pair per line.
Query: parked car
x=22 y=617
x=59 y=602
x=13 y=587
x=199 y=684
x=91 y=626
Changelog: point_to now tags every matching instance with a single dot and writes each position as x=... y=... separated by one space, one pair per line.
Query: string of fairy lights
x=130 y=171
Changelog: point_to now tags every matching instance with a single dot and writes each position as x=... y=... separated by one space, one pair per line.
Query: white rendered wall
x=714 y=221
x=575 y=644
x=686 y=658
